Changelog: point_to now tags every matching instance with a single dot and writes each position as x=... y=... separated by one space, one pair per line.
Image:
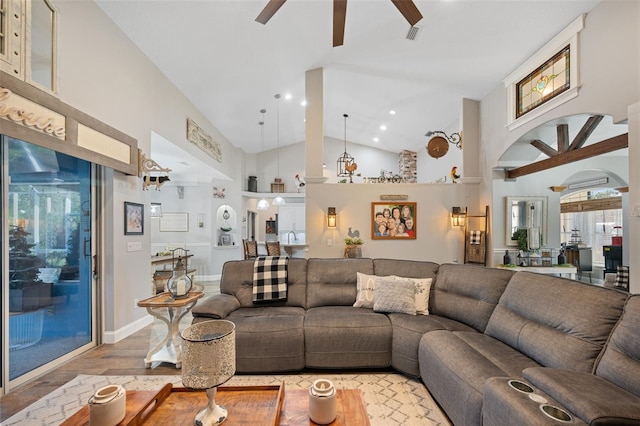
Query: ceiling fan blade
x=409 y=10
x=339 y=18
x=269 y=10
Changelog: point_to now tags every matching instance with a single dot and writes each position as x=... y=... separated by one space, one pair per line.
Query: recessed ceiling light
x=383 y=127
x=376 y=139
x=304 y=102
x=287 y=96
x=392 y=112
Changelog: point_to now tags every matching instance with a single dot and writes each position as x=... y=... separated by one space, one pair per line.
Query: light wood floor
x=124 y=358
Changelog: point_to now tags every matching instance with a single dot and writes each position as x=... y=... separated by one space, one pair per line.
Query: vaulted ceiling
x=231 y=66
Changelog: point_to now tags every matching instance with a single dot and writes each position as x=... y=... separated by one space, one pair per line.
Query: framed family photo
x=133 y=218
x=393 y=221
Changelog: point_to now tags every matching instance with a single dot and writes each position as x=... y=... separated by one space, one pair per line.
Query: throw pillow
x=394 y=296
x=365 y=286
x=622 y=277
x=422 y=292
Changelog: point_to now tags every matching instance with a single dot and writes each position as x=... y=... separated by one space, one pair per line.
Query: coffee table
x=170 y=311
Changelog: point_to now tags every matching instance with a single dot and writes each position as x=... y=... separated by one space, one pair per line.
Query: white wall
x=609 y=76
x=102 y=73
x=436 y=240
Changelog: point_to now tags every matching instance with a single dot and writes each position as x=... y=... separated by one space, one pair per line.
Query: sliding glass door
x=46 y=272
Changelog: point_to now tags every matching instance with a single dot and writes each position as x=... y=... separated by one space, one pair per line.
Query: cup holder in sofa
x=520 y=386
x=556 y=413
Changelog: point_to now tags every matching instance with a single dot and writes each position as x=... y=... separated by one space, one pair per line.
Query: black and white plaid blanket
x=475 y=237
x=270 y=278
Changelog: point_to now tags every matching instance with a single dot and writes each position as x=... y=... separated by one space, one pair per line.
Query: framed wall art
x=174 y=222
x=393 y=221
x=133 y=218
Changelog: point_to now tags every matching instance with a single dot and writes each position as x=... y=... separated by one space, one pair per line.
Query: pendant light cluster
x=278 y=201
x=262 y=204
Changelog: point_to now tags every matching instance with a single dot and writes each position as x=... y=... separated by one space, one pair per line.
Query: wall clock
x=437 y=147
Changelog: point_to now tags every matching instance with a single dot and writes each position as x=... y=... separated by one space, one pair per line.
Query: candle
x=181 y=288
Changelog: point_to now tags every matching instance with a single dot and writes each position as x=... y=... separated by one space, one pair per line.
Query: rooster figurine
x=454 y=175
x=299 y=183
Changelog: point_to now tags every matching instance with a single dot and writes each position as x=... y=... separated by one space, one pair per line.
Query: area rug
x=391 y=399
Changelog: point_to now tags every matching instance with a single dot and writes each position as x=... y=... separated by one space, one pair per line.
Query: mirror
x=522 y=213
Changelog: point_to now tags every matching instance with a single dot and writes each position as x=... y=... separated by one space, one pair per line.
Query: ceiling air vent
x=413 y=32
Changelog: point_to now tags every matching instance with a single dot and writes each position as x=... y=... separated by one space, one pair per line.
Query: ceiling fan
x=406 y=7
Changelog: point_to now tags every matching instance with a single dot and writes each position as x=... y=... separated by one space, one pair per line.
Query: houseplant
x=26 y=291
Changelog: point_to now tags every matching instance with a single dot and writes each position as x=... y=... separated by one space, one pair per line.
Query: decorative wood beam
x=585 y=132
x=609 y=145
x=591 y=205
x=563 y=137
x=546 y=149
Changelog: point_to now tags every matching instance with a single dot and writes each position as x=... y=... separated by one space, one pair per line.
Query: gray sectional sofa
x=498 y=347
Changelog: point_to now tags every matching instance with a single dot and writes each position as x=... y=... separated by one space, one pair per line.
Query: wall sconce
x=458 y=216
x=332 y=217
x=156 y=210
x=200 y=220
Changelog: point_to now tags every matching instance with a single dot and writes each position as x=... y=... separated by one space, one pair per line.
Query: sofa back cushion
x=404 y=268
x=237 y=280
x=560 y=323
x=467 y=293
x=332 y=282
x=620 y=362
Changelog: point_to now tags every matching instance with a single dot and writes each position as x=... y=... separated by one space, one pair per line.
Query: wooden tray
x=179 y=406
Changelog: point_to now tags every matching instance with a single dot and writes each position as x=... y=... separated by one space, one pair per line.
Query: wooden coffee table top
x=350 y=408
x=246 y=405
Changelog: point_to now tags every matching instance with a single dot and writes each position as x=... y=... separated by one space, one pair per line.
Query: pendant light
x=278 y=201
x=262 y=204
x=346 y=165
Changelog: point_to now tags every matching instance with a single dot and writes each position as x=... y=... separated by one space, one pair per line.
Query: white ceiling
x=230 y=66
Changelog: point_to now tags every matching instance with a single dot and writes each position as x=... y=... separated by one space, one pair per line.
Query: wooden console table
x=170 y=311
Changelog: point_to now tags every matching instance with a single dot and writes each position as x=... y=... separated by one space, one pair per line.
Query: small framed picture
x=133 y=218
x=393 y=221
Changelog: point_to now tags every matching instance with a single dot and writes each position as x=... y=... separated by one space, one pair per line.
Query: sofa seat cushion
x=592 y=398
x=455 y=364
x=346 y=337
x=407 y=332
x=269 y=340
x=503 y=405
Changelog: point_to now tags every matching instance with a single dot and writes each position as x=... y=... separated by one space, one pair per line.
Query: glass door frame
x=6 y=385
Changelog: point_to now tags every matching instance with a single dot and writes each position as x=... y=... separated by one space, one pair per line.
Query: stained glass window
x=543 y=84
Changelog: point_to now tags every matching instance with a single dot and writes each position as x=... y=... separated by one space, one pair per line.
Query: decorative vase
x=322 y=402
x=253 y=184
x=506 y=259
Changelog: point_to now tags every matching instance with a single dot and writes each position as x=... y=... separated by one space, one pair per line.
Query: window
x=545 y=83
x=600 y=211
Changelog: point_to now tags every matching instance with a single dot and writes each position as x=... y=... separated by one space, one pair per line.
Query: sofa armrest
x=594 y=399
x=217 y=307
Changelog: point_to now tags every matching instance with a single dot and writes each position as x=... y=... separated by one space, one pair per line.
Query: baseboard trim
x=111 y=337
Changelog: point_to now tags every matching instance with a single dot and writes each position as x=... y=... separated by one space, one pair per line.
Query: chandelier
x=346 y=165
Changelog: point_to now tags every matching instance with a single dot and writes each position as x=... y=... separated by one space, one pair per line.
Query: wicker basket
x=353 y=251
